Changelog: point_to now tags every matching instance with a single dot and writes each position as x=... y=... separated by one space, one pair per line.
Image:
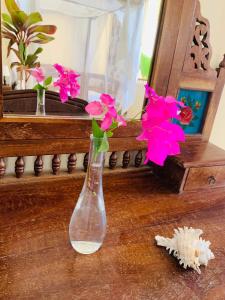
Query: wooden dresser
x=37 y=261
x=201 y=166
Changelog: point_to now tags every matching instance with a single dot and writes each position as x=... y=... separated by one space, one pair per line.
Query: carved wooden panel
x=199 y=52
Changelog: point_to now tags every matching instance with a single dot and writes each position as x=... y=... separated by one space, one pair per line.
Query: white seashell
x=188 y=247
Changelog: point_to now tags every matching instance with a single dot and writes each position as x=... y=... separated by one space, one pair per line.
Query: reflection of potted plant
x=22 y=30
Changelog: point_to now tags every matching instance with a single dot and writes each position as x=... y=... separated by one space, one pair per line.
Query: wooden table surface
x=37 y=261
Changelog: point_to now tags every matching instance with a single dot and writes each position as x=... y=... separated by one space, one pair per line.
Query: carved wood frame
x=183 y=59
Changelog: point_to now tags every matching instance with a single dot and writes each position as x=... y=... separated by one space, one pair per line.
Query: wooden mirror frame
x=26 y=136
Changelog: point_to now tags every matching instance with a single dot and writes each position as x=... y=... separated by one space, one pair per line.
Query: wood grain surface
x=37 y=261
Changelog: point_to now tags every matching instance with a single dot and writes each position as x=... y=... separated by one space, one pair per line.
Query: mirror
x=109 y=43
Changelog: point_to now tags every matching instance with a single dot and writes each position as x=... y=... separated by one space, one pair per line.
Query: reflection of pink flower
x=38 y=74
x=160 y=133
x=67 y=83
x=105 y=107
x=94 y=108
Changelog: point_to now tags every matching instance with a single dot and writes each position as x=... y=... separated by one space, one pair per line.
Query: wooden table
x=37 y=261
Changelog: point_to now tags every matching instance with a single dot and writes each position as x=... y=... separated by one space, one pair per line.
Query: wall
x=214 y=12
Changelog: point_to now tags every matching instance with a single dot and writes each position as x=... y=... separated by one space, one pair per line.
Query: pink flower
x=94 y=108
x=161 y=134
x=107 y=121
x=106 y=107
x=67 y=83
x=107 y=100
x=38 y=74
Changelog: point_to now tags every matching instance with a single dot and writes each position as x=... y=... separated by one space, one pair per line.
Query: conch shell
x=188 y=247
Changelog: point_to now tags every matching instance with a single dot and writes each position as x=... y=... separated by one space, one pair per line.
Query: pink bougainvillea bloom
x=94 y=108
x=107 y=121
x=38 y=74
x=161 y=134
x=107 y=100
x=105 y=107
x=121 y=121
x=67 y=82
x=162 y=141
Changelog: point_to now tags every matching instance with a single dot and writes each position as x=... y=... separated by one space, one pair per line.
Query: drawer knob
x=211 y=180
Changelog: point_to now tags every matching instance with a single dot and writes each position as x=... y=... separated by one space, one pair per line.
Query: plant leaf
x=38 y=51
x=30 y=60
x=48 y=29
x=19 y=18
x=6 y=18
x=41 y=39
x=104 y=147
x=9 y=47
x=96 y=130
x=48 y=81
x=11 y=6
x=14 y=64
x=38 y=87
x=9 y=27
x=8 y=35
x=22 y=52
x=33 y=18
x=109 y=134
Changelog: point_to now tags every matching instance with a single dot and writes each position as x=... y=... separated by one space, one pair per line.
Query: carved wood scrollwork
x=199 y=52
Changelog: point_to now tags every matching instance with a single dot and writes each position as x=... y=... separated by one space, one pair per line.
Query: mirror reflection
x=110 y=44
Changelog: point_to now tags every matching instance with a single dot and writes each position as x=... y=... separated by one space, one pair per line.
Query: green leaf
x=96 y=130
x=38 y=87
x=104 y=147
x=11 y=6
x=8 y=35
x=114 y=125
x=109 y=134
x=19 y=18
x=48 y=29
x=9 y=27
x=22 y=52
x=41 y=39
x=48 y=81
x=38 y=51
x=6 y=18
x=32 y=19
x=30 y=60
x=9 y=47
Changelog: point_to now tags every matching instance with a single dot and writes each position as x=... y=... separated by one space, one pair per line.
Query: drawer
x=205 y=177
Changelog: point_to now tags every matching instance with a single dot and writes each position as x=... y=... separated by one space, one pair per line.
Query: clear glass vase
x=87 y=227
x=40 y=110
x=21 y=84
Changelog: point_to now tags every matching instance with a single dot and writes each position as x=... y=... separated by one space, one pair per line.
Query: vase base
x=85 y=247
